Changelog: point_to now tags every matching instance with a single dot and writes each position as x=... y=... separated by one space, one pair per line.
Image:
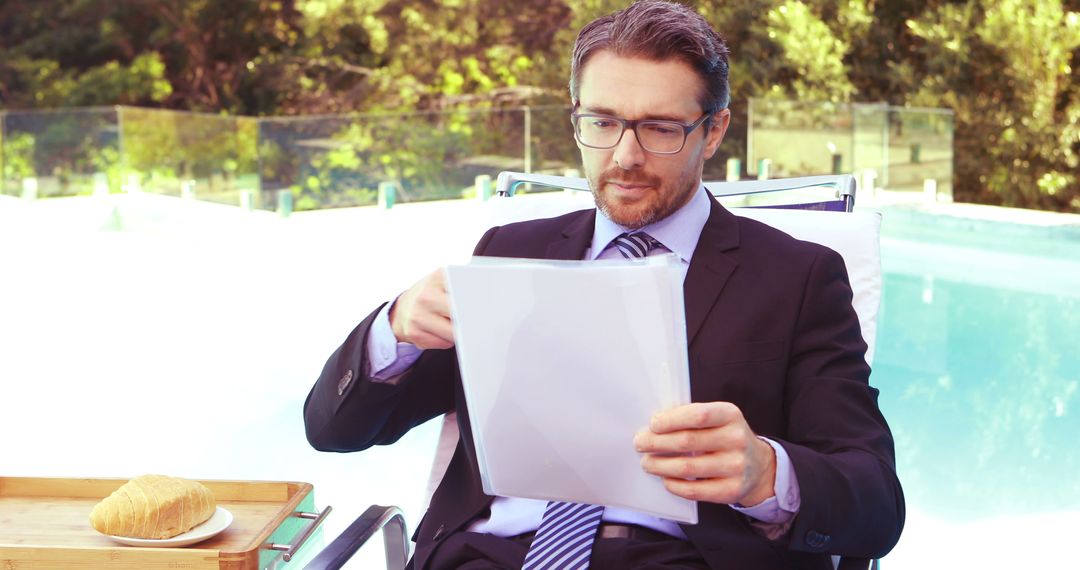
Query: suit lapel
x=576 y=238
x=710 y=267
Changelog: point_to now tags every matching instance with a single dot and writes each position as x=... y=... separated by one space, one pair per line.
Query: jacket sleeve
x=837 y=439
x=348 y=411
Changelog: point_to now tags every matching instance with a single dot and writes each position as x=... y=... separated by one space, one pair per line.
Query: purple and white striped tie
x=565 y=538
x=634 y=245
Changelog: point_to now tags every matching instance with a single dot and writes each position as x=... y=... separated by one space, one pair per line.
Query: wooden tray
x=44 y=523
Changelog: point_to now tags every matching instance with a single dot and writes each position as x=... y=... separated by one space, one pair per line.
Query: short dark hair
x=658 y=30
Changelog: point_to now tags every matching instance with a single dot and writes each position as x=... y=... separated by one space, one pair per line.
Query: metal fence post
x=247 y=200
x=187 y=189
x=284 y=202
x=101 y=184
x=866 y=181
x=30 y=188
x=929 y=187
x=134 y=184
x=734 y=168
x=387 y=194
x=483 y=187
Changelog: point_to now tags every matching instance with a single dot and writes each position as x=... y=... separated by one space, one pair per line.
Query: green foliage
x=18 y=156
x=167 y=148
x=64 y=151
x=427 y=156
x=141 y=82
x=106 y=159
x=72 y=54
x=193 y=54
x=484 y=49
x=1005 y=67
x=811 y=48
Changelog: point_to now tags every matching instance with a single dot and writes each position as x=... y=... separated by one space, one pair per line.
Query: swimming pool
x=104 y=331
x=978 y=364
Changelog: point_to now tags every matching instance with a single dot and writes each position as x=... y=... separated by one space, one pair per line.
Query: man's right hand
x=421 y=315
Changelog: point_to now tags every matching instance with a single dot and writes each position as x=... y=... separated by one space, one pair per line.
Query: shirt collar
x=678 y=232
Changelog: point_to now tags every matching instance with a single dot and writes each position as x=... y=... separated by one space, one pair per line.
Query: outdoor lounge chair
x=813 y=208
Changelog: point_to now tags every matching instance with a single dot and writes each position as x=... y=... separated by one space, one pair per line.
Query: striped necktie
x=565 y=538
x=634 y=245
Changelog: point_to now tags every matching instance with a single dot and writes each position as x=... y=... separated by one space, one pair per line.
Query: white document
x=562 y=362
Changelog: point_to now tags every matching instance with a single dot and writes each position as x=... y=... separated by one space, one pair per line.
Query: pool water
x=984 y=396
x=978 y=364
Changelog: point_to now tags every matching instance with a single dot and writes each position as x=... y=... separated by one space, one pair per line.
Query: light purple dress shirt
x=510 y=516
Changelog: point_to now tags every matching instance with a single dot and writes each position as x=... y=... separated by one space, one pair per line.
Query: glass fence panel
x=920 y=149
x=306 y=163
x=70 y=152
x=870 y=146
x=340 y=161
x=291 y=152
x=800 y=138
x=193 y=155
x=899 y=149
x=552 y=149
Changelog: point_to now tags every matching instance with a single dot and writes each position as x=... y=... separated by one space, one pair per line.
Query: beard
x=662 y=200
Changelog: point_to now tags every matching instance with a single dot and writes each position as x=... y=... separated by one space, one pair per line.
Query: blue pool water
x=983 y=395
x=978 y=364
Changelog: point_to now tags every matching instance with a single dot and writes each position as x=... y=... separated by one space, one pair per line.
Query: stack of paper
x=562 y=363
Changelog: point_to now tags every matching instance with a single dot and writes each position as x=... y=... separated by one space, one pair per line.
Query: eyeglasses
x=657 y=137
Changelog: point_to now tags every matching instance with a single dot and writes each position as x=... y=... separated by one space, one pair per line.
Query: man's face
x=632 y=187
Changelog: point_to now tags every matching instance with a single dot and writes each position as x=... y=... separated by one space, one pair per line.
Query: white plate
x=219 y=521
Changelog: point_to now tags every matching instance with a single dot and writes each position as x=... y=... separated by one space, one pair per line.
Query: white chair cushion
x=855 y=236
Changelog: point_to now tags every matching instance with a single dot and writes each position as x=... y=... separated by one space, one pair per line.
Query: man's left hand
x=707 y=452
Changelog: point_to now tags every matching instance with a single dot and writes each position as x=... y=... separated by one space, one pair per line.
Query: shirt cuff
x=784 y=505
x=388 y=359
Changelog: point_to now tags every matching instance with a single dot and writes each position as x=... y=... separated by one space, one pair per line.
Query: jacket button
x=438 y=532
x=815 y=539
x=344 y=382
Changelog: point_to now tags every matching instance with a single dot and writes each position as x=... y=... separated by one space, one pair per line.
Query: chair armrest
x=342 y=548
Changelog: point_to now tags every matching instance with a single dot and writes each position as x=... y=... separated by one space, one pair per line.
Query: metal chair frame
x=843 y=184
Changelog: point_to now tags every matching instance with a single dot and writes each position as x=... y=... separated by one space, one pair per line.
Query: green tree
x=74 y=54
x=225 y=56
x=1006 y=67
x=485 y=48
x=812 y=52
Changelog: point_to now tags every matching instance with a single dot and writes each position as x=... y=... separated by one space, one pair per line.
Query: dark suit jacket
x=770 y=328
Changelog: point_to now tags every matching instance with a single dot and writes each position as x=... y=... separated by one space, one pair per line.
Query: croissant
x=153 y=506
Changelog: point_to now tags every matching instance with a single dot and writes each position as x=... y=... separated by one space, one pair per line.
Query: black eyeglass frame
x=633 y=124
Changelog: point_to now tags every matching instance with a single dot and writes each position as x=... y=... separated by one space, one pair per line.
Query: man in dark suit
x=784 y=447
